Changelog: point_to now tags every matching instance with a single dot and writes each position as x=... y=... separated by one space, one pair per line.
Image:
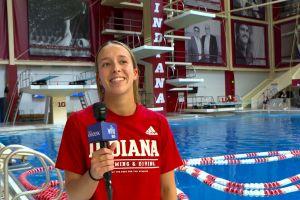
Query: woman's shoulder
x=82 y=115
x=148 y=113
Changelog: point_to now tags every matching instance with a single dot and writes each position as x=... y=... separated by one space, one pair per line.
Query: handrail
x=10 y=105
x=126 y=23
x=20 y=149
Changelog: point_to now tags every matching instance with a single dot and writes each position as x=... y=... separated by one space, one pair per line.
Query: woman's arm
x=168 y=186
x=83 y=186
x=79 y=186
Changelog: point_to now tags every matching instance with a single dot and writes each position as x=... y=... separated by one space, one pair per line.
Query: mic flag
x=102 y=132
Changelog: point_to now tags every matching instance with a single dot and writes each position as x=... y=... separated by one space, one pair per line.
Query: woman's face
x=116 y=70
x=244 y=33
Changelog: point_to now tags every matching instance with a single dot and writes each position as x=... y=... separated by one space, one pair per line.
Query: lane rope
x=252 y=190
x=48 y=194
x=244 y=189
x=234 y=159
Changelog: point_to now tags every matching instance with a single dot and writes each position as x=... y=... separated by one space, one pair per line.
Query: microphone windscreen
x=102 y=131
x=99 y=111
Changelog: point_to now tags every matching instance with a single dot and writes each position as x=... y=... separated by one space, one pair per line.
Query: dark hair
x=240 y=46
x=135 y=82
x=196 y=27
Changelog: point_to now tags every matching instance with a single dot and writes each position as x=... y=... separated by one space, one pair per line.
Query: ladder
x=179 y=104
x=12 y=105
x=47 y=108
x=83 y=101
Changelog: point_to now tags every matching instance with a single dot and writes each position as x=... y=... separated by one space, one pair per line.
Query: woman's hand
x=102 y=161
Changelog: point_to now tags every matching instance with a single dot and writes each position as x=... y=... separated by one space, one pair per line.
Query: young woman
x=143 y=158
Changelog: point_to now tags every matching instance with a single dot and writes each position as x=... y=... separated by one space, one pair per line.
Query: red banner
x=3 y=31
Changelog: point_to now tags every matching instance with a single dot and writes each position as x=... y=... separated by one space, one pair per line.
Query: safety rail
x=132 y=40
x=87 y=76
x=26 y=151
x=25 y=78
x=123 y=24
x=204 y=5
x=200 y=101
x=229 y=98
x=174 y=8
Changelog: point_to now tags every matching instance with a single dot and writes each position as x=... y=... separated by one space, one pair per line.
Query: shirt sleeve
x=170 y=157
x=71 y=152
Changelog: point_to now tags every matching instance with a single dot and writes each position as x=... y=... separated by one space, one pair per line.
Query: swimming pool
x=214 y=136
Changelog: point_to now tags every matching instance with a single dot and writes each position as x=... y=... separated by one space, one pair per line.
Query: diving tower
x=55 y=91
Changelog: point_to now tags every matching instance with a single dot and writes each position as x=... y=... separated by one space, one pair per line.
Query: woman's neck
x=121 y=106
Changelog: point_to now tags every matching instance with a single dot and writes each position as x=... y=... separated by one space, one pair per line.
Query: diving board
x=56 y=90
x=181 y=89
x=147 y=51
x=178 y=82
x=177 y=37
x=171 y=63
x=122 y=4
x=212 y=110
x=43 y=81
x=82 y=81
x=109 y=31
x=188 y=18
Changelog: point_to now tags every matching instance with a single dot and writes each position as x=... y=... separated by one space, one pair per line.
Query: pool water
x=212 y=136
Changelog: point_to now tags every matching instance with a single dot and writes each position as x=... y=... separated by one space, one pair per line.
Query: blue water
x=204 y=137
x=212 y=136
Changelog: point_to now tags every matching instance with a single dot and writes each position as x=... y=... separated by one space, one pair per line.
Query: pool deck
x=170 y=116
x=28 y=127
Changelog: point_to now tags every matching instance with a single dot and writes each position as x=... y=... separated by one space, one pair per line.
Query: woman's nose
x=116 y=67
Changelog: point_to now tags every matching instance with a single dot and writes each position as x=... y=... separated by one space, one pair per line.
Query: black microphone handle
x=107 y=175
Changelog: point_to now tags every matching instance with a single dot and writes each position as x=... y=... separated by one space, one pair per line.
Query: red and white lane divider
x=181 y=195
x=261 y=157
x=50 y=193
x=244 y=189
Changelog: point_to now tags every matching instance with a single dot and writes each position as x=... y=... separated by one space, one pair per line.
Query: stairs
x=254 y=97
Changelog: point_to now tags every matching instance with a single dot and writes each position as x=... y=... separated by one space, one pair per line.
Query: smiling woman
x=145 y=154
x=117 y=57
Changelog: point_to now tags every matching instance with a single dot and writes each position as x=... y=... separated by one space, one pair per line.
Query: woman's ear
x=136 y=73
x=98 y=79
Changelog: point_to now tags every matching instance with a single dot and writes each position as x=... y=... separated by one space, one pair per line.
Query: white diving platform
x=109 y=31
x=170 y=63
x=183 y=89
x=178 y=82
x=56 y=90
x=147 y=51
x=122 y=4
x=212 y=110
x=188 y=18
x=177 y=37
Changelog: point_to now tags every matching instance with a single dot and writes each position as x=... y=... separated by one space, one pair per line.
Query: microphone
x=103 y=132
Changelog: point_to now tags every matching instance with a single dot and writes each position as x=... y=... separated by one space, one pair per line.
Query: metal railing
x=25 y=151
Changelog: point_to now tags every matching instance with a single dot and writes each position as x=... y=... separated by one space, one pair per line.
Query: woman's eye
x=105 y=64
x=123 y=61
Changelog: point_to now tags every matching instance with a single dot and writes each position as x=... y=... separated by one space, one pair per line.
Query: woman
x=144 y=157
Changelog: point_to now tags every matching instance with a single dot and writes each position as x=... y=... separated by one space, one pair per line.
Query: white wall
x=2 y=80
x=213 y=85
x=246 y=81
